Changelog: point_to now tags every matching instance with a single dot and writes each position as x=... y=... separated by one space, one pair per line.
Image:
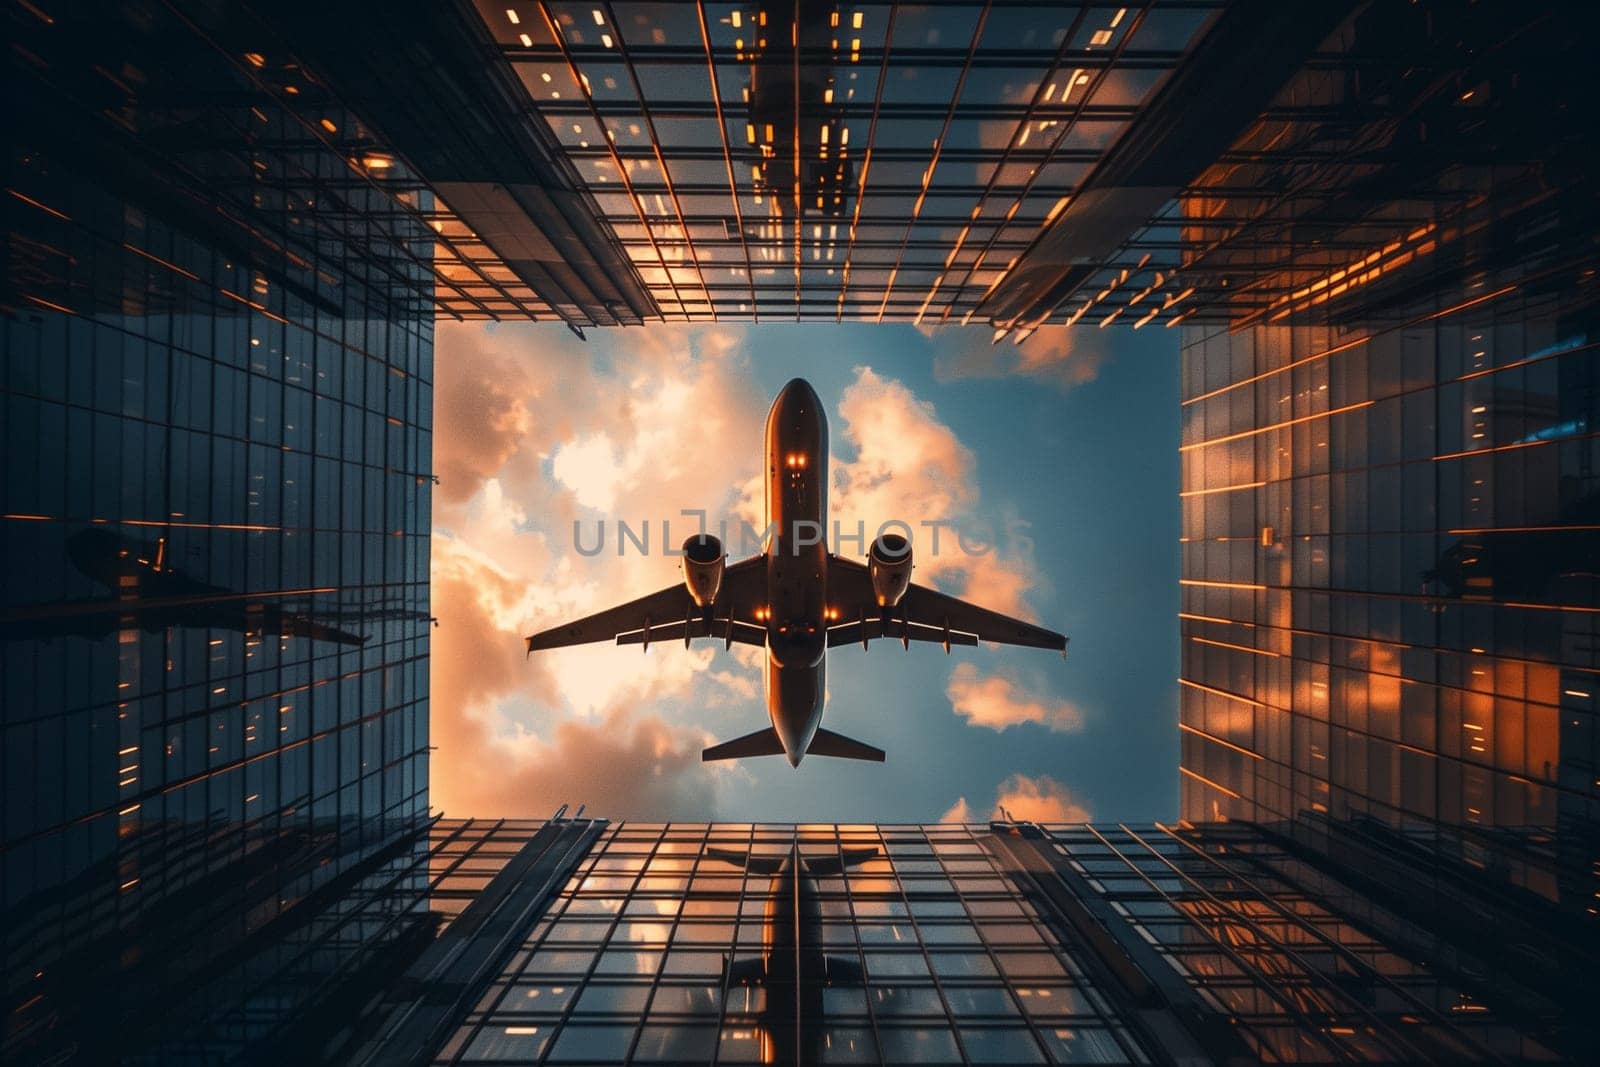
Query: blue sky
x=1075 y=436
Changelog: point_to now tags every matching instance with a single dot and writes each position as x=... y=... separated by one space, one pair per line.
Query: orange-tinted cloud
x=959 y=812
x=529 y=440
x=622 y=767
x=1000 y=700
x=679 y=424
x=995 y=581
x=1039 y=799
x=1062 y=356
x=481 y=418
x=490 y=762
x=910 y=466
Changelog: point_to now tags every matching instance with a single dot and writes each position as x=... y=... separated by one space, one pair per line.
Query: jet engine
x=889 y=564
x=702 y=568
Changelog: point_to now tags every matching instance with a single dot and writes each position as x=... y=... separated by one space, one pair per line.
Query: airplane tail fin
x=828 y=743
x=761 y=743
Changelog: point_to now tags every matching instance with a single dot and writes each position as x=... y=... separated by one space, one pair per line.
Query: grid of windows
x=1390 y=467
x=1386 y=152
x=298 y=994
x=823 y=161
x=1387 y=610
x=214 y=510
x=1255 y=932
x=919 y=947
x=889 y=162
x=1389 y=604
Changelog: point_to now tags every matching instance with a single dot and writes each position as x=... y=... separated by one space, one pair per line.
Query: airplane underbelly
x=794 y=703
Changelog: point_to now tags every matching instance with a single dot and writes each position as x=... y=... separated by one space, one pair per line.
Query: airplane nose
x=798 y=390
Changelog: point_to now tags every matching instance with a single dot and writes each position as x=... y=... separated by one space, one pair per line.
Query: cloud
x=1039 y=799
x=996 y=582
x=662 y=422
x=530 y=439
x=589 y=467
x=494 y=758
x=959 y=812
x=741 y=685
x=1001 y=700
x=908 y=465
x=621 y=767
x=1062 y=356
x=482 y=417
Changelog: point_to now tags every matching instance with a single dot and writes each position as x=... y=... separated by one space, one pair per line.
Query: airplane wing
x=833 y=866
x=864 y=630
x=842 y=971
x=304 y=626
x=850 y=592
x=666 y=611
x=743 y=633
x=755 y=864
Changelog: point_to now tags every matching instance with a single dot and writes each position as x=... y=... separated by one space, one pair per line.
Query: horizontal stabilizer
x=828 y=743
x=761 y=743
x=833 y=866
x=853 y=633
x=841 y=971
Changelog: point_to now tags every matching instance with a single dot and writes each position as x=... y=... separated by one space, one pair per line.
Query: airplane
x=1529 y=563
x=793 y=968
x=797 y=123
x=152 y=595
x=1510 y=564
x=796 y=599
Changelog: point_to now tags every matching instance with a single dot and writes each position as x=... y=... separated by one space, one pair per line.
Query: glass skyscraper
x=230 y=228
x=818 y=161
x=1007 y=943
x=1390 y=476
x=214 y=510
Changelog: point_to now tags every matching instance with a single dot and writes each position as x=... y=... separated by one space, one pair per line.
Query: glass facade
x=1305 y=968
x=685 y=943
x=1389 y=598
x=214 y=509
x=819 y=161
x=1389 y=477
x=1389 y=592
x=1010 y=943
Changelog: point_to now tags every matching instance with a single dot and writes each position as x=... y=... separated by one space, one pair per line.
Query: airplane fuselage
x=795 y=967
x=795 y=599
x=797 y=565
